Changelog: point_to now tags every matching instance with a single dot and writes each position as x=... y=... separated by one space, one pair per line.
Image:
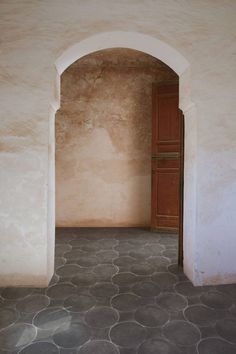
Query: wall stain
x=103 y=138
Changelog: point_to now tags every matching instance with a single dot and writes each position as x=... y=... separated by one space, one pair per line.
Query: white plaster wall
x=34 y=35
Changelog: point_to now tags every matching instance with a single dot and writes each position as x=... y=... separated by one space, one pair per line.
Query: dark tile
x=151 y=316
x=126 y=316
x=169 y=239
x=124 y=269
x=51 y=318
x=189 y=350
x=105 y=278
x=215 y=346
x=60 y=249
x=175 y=269
x=106 y=256
x=54 y=280
x=177 y=315
x=59 y=261
x=232 y=310
x=98 y=347
x=100 y=333
x=171 y=301
x=124 y=261
x=33 y=303
x=79 y=303
x=77 y=317
x=154 y=332
x=44 y=335
x=101 y=317
x=103 y=301
x=147 y=301
x=78 y=241
x=164 y=280
x=85 y=261
x=138 y=240
x=142 y=269
x=7 y=317
x=186 y=288
x=68 y=351
x=124 y=279
x=104 y=272
x=74 y=254
x=64 y=234
x=124 y=247
x=71 y=335
x=139 y=254
x=226 y=328
x=128 y=334
x=17 y=336
x=200 y=315
x=208 y=331
x=182 y=333
x=91 y=247
x=194 y=300
x=146 y=289
x=56 y=303
x=154 y=249
x=104 y=289
x=125 y=302
x=61 y=290
x=16 y=293
x=170 y=254
x=68 y=270
x=216 y=300
x=26 y=318
x=229 y=289
x=158 y=346
x=84 y=278
x=39 y=348
x=182 y=277
x=159 y=262
x=107 y=244
x=127 y=350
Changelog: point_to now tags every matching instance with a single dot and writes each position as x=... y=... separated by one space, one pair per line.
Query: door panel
x=167 y=156
x=181 y=252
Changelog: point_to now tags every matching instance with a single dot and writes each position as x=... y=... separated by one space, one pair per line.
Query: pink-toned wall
x=103 y=139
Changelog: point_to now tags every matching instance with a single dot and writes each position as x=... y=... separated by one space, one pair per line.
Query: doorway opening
x=114 y=103
x=168 y=55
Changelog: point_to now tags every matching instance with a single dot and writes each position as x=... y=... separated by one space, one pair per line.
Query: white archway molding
x=132 y=40
x=181 y=66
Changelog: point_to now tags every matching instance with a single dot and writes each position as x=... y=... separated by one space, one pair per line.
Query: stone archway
x=180 y=65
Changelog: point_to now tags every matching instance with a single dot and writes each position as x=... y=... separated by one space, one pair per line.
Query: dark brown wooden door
x=167 y=160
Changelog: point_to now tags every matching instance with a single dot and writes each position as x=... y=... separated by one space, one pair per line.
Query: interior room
x=117 y=177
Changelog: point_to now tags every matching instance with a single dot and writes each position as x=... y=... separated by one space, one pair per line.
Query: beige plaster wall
x=103 y=139
x=34 y=34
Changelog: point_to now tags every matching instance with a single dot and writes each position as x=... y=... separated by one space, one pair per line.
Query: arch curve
x=177 y=62
x=120 y=39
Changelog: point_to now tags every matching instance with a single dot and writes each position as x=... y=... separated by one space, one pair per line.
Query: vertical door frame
x=181 y=196
x=181 y=167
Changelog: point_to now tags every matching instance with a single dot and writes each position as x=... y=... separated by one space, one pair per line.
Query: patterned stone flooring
x=118 y=291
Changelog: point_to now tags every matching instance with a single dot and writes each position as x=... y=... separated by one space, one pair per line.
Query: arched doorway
x=179 y=64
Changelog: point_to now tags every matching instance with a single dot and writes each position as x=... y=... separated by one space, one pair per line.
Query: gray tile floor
x=118 y=291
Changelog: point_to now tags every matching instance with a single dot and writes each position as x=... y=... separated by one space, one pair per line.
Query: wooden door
x=167 y=160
